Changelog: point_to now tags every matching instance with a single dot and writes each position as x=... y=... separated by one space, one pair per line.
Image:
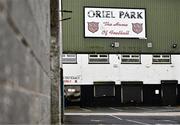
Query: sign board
x=114 y=23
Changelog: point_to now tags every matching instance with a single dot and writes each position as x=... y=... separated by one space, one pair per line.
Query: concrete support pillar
x=55 y=65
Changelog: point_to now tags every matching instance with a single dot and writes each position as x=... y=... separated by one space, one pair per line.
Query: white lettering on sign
x=114 y=22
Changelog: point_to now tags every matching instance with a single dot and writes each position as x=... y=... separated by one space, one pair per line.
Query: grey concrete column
x=55 y=65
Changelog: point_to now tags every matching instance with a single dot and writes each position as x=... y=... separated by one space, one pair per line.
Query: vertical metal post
x=60 y=57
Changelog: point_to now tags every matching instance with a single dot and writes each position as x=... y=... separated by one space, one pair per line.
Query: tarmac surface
x=165 y=115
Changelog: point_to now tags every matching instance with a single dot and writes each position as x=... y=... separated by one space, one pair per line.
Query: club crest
x=93 y=26
x=137 y=27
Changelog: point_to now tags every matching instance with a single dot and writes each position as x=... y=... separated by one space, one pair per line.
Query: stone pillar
x=55 y=65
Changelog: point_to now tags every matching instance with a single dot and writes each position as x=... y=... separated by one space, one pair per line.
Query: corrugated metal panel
x=163 y=27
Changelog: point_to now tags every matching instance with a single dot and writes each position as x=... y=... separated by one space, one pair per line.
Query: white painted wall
x=147 y=72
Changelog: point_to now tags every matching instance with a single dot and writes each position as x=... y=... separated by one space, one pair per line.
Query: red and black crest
x=137 y=27
x=93 y=26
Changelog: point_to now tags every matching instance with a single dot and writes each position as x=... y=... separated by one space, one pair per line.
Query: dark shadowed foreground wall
x=24 y=62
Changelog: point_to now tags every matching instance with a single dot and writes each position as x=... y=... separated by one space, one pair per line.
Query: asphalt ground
x=122 y=116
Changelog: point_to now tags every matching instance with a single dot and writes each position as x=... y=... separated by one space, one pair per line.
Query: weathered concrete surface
x=24 y=62
x=56 y=107
x=55 y=103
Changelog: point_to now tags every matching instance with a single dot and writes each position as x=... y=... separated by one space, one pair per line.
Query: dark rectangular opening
x=178 y=96
x=152 y=94
x=132 y=92
x=104 y=93
x=169 y=92
x=102 y=89
x=86 y=98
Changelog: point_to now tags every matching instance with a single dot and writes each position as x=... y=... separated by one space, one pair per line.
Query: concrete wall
x=24 y=62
